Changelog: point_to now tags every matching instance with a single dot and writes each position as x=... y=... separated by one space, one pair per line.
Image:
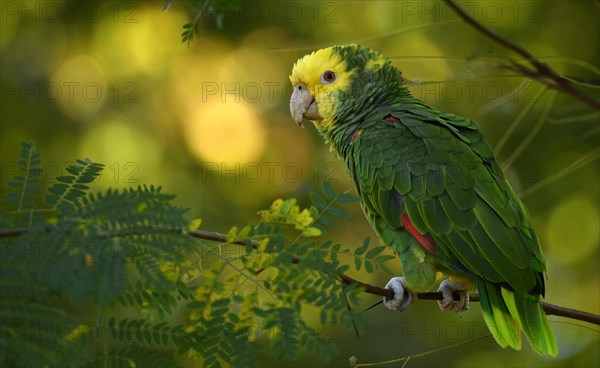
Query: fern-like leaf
x=65 y=194
x=25 y=185
x=24 y=188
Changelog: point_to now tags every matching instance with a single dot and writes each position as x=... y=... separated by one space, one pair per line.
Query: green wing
x=437 y=169
x=451 y=188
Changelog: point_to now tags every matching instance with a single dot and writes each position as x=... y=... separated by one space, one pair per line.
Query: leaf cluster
x=153 y=289
x=205 y=10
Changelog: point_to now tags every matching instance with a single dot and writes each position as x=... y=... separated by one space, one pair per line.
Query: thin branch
x=538 y=70
x=550 y=309
x=9 y=233
x=217 y=237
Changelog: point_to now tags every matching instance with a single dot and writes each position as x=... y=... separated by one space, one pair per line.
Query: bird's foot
x=447 y=288
x=403 y=298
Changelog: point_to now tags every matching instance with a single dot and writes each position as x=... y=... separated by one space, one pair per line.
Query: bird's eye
x=328 y=77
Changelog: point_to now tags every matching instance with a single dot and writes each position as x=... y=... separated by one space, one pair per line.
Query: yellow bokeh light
x=193 y=77
x=131 y=155
x=220 y=123
x=225 y=132
x=78 y=87
x=572 y=231
x=135 y=44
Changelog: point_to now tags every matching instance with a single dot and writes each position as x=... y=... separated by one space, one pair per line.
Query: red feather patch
x=391 y=118
x=424 y=239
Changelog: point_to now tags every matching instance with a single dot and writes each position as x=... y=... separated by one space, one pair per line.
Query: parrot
x=430 y=187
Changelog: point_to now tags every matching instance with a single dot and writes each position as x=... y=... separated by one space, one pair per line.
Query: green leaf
x=375 y=251
x=25 y=185
x=386 y=269
x=338 y=211
x=244 y=232
x=357 y=263
x=326 y=220
x=359 y=251
x=312 y=231
x=346 y=198
x=164 y=339
x=343 y=269
x=317 y=200
x=195 y=224
x=66 y=194
x=328 y=190
x=323 y=317
x=385 y=258
x=231 y=235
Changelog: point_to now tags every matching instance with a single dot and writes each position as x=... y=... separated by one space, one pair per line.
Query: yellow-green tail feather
x=532 y=319
x=506 y=313
x=504 y=328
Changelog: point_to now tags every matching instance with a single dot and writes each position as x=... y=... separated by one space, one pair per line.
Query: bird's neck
x=340 y=135
x=350 y=123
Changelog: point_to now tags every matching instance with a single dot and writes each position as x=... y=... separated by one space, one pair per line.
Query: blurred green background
x=112 y=81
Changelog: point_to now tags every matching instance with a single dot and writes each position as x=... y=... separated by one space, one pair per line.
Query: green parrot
x=431 y=189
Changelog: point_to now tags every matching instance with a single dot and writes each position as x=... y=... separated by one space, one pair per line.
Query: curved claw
x=403 y=298
x=447 y=288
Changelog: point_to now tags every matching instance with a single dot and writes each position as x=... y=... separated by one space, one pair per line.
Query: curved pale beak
x=303 y=105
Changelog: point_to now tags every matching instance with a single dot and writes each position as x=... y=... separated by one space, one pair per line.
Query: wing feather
x=452 y=189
